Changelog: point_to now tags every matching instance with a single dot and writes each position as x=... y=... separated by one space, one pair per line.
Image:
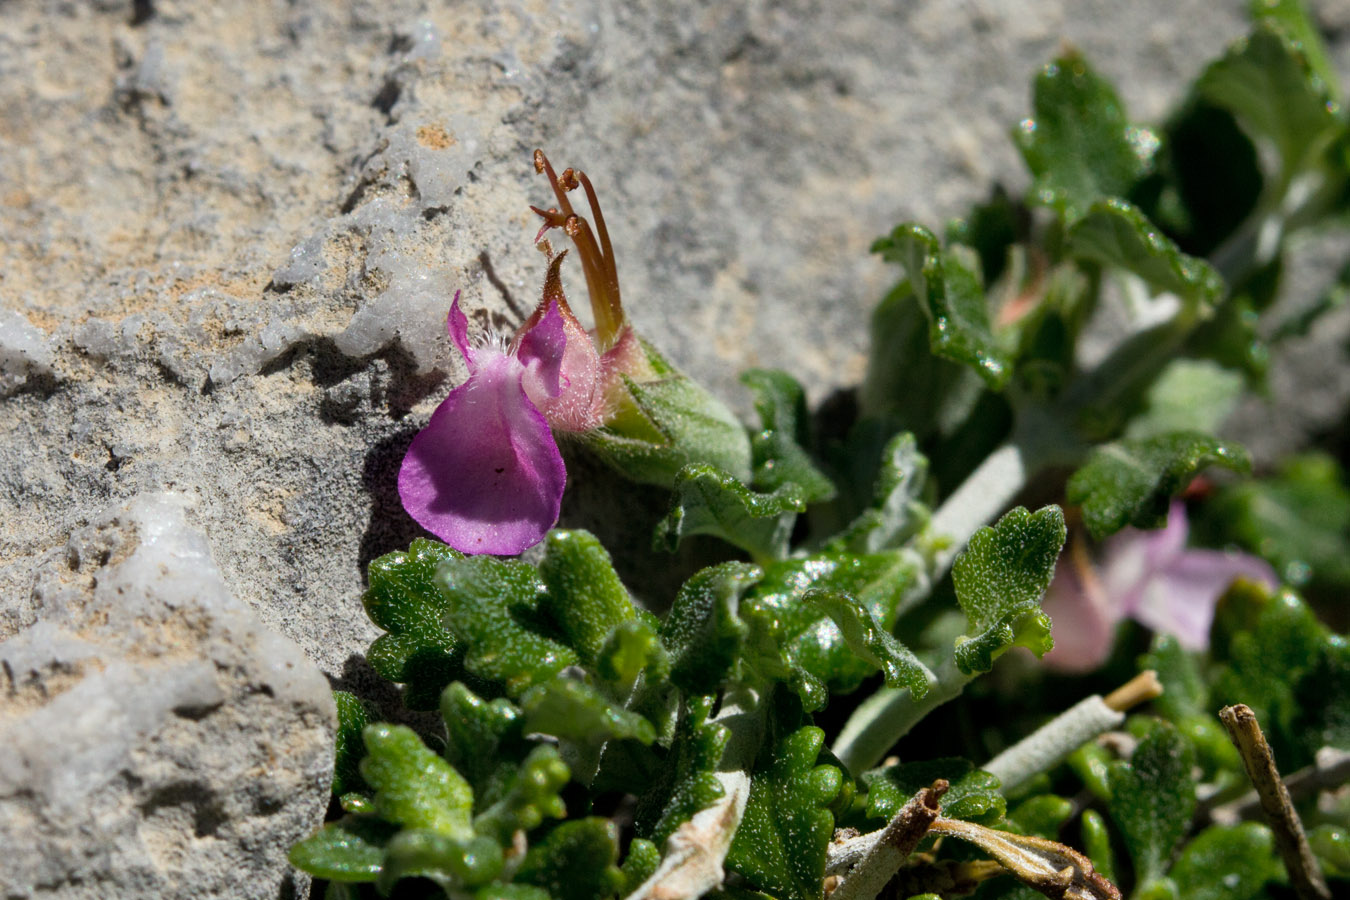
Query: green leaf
x=349 y=850
x=707 y=500
x=973 y=794
x=492 y=605
x=949 y=291
x=529 y=798
x=704 y=632
x=413 y=786
x=1042 y=816
x=576 y=861
x=642 y=861
x=779 y=446
x=585 y=596
x=1291 y=17
x=667 y=423
x=812 y=642
x=1115 y=233
x=499 y=891
x=1188 y=395
x=896 y=513
x=1224 y=863
x=1079 y=143
x=872 y=642
x=451 y=863
x=1131 y=482
x=991 y=229
x=484 y=741
x=1097 y=844
x=353 y=717
x=1000 y=579
x=404 y=600
x=572 y=711
x=1331 y=843
x=688 y=782
x=1266 y=81
x=1185 y=693
x=780 y=844
x=1153 y=798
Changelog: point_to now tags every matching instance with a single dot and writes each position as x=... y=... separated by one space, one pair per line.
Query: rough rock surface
x=159 y=741
x=229 y=231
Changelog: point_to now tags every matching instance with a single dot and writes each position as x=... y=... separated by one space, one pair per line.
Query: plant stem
x=890 y=713
x=982 y=496
x=884 y=851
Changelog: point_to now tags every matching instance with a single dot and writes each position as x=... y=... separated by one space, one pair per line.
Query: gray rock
x=159 y=742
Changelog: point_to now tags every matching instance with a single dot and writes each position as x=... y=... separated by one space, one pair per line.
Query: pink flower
x=485 y=475
x=1148 y=576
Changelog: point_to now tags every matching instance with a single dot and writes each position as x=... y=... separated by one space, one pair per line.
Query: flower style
x=486 y=476
x=1149 y=576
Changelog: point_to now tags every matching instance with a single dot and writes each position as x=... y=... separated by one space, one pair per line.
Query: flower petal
x=457 y=324
x=485 y=475
x=564 y=378
x=1131 y=558
x=1083 y=619
x=1180 y=599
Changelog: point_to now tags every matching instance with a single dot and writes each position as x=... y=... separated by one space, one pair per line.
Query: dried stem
x=1141 y=688
x=1046 y=866
x=1304 y=873
x=885 y=851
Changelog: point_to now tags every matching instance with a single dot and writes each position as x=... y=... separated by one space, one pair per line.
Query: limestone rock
x=159 y=742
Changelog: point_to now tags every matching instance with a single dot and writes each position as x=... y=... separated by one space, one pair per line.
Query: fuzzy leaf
x=780 y=844
x=872 y=642
x=484 y=741
x=707 y=500
x=1042 y=816
x=413 y=786
x=572 y=711
x=1226 y=863
x=404 y=600
x=1115 y=233
x=813 y=643
x=1153 y=798
x=451 y=863
x=949 y=291
x=1000 y=579
x=1131 y=482
x=640 y=864
x=492 y=605
x=353 y=717
x=576 y=861
x=896 y=512
x=779 y=446
x=585 y=596
x=529 y=798
x=688 y=782
x=973 y=794
x=1267 y=83
x=1079 y=143
x=704 y=632
x=349 y=850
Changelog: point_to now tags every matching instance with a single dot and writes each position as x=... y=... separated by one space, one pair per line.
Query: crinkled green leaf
x=492 y=605
x=704 y=632
x=628 y=649
x=576 y=861
x=1223 y=863
x=1153 y=798
x=349 y=850
x=1043 y=815
x=353 y=717
x=896 y=512
x=667 y=423
x=1188 y=395
x=413 y=786
x=573 y=711
x=973 y=794
x=779 y=446
x=688 y=782
x=585 y=597
x=1266 y=81
x=452 y=864
x=707 y=500
x=484 y=741
x=1079 y=143
x=872 y=642
x=780 y=844
x=529 y=798
x=1298 y=520
x=950 y=293
x=404 y=600
x=1115 y=233
x=1000 y=579
x=641 y=863
x=1184 y=693
x=1132 y=482
x=813 y=643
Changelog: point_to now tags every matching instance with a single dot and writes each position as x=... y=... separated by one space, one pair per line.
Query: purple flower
x=1148 y=576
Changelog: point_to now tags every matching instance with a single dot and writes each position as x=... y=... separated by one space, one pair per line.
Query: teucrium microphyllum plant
x=806 y=716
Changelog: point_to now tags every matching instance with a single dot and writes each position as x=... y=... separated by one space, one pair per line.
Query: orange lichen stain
x=435 y=137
